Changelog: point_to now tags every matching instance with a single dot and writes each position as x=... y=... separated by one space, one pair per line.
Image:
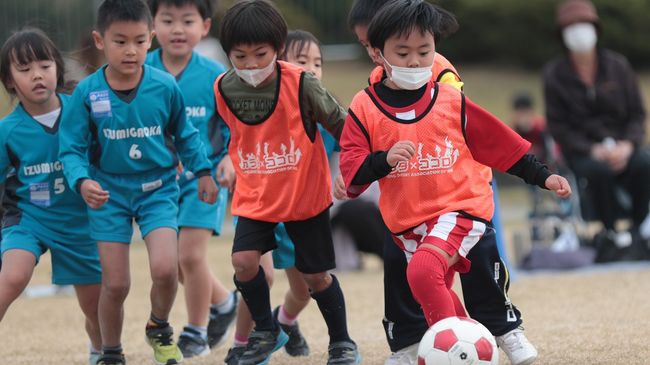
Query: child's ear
x=207 y=24
x=99 y=40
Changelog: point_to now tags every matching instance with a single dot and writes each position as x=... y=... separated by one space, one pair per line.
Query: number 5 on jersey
x=134 y=152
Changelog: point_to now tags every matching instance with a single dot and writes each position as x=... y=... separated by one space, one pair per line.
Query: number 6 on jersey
x=134 y=152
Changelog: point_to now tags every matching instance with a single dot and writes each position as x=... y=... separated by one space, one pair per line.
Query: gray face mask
x=580 y=37
x=256 y=76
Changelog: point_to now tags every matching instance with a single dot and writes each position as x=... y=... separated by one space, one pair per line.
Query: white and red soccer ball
x=456 y=341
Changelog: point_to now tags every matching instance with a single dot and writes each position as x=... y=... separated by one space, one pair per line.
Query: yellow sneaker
x=165 y=350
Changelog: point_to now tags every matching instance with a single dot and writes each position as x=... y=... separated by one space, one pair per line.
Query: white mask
x=580 y=37
x=408 y=78
x=256 y=76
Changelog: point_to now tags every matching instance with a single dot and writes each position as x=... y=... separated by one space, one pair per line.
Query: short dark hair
x=401 y=17
x=111 y=11
x=25 y=46
x=204 y=7
x=363 y=11
x=298 y=39
x=250 y=22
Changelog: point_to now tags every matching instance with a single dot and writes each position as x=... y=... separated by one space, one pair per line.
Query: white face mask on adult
x=256 y=76
x=408 y=78
x=580 y=37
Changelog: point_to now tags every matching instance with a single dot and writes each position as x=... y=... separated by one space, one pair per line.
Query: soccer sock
x=155 y=322
x=240 y=340
x=285 y=318
x=227 y=305
x=112 y=350
x=426 y=273
x=332 y=306
x=458 y=305
x=197 y=331
x=256 y=294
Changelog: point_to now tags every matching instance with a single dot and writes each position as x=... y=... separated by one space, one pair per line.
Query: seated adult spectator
x=594 y=111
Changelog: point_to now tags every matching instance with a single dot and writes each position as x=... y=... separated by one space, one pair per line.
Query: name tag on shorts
x=100 y=104
x=39 y=194
x=151 y=185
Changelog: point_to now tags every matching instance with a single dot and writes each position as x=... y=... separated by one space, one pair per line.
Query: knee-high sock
x=458 y=305
x=332 y=306
x=256 y=295
x=426 y=274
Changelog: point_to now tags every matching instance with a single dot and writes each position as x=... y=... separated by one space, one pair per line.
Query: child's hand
x=207 y=189
x=559 y=185
x=340 y=192
x=226 y=173
x=401 y=151
x=93 y=193
x=179 y=170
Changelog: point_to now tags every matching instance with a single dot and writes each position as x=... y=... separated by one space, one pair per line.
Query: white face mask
x=408 y=78
x=580 y=37
x=256 y=76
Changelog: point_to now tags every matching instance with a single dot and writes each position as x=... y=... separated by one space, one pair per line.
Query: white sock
x=227 y=305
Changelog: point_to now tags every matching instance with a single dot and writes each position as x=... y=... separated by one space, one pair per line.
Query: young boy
x=119 y=141
x=179 y=26
x=485 y=298
x=272 y=109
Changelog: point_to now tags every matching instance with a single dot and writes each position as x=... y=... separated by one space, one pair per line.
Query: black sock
x=332 y=306
x=156 y=322
x=112 y=350
x=256 y=295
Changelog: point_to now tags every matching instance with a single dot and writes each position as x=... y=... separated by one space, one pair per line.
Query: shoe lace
x=163 y=339
x=514 y=340
x=340 y=352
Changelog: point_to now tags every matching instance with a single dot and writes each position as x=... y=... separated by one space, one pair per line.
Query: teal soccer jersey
x=33 y=175
x=196 y=82
x=136 y=133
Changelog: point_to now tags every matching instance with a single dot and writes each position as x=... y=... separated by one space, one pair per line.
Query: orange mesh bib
x=281 y=174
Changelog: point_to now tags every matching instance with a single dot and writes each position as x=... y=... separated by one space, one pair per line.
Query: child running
x=125 y=127
x=272 y=109
x=486 y=299
x=424 y=141
x=211 y=308
x=301 y=49
x=41 y=212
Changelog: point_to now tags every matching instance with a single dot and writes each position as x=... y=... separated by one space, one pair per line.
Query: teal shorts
x=150 y=198
x=75 y=259
x=284 y=256
x=192 y=212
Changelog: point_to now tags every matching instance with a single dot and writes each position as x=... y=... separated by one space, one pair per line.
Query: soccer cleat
x=220 y=324
x=343 y=353
x=297 y=345
x=192 y=344
x=517 y=347
x=165 y=351
x=261 y=344
x=234 y=354
x=93 y=358
x=405 y=356
x=111 y=359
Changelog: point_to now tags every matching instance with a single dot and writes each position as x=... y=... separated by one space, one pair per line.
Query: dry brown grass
x=575 y=318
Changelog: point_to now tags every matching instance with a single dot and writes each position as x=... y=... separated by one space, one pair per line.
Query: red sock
x=458 y=305
x=426 y=274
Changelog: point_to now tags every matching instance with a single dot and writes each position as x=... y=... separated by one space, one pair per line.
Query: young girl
x=41 y=213
x=301 y=49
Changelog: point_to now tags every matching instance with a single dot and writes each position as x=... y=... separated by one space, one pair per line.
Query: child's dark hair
x=299 y=39
x=401 y=17
x=253 y=22
x=363 y=11
x=111 y=11
x=25 y=46
x=204 y=7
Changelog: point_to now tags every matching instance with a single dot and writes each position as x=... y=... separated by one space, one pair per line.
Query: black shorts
x=311 y=237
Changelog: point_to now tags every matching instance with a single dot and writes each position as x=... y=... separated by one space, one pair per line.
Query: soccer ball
x=456 y=341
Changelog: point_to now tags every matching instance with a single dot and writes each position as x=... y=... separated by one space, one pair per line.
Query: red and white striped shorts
x=452 y=232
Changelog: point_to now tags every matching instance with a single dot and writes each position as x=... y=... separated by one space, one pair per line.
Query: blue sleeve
x=186 y=138
x=74 y=139
x=225 y=135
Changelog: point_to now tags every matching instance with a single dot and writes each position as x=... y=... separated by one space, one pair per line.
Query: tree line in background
x=513 y=32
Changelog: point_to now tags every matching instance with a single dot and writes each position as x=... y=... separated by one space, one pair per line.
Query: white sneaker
x=519 y=350
x=405 y=356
